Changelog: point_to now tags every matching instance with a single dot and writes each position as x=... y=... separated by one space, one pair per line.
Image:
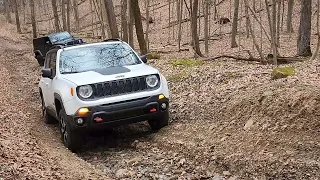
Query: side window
x=52 y=63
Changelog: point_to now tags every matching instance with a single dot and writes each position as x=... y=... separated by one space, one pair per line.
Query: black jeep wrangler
x=43 y=44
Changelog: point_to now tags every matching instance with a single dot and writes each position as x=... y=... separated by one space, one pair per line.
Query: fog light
x=83 y=111
x=163 y=106
x=161 y=96
x=79 y=121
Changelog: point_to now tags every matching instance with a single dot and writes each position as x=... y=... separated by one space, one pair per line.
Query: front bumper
x=120 y=113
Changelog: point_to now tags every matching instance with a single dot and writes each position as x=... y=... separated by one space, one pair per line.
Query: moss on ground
x=187 y=62
x=153 y=55
x=282 y=72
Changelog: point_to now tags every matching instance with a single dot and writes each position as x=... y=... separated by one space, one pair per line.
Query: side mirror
x=144 y=58
x=47 y=73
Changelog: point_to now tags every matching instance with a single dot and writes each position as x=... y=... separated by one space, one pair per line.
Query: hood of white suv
x=91 y=77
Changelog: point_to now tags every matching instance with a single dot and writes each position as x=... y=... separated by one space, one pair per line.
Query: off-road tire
x=159 y=122
x=47 y=118
x=70 y=138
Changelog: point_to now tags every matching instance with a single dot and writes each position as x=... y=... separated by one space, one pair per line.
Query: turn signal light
x=83 y=111
x=71 y=91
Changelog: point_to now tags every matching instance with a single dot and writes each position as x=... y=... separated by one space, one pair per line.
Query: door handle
x=47 y=84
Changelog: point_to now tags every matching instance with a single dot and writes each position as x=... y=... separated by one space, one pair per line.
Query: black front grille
x=118 y=87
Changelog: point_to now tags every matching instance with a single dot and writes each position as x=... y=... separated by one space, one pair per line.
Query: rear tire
x=159 y=122
x=70 y=138
x=47 y=118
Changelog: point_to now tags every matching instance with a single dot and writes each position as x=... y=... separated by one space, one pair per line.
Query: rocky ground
x=229 y=120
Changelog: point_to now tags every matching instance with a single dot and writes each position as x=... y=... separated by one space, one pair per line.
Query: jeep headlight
x=85 y=91
x=152 y=81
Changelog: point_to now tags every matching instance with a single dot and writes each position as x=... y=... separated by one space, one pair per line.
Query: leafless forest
x=243 y=74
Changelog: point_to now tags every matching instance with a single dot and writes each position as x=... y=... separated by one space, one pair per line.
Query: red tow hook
x=153 y=110
x=98 y=119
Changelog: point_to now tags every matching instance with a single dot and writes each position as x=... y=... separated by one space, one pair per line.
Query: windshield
x=59 y=36
x=96 y=57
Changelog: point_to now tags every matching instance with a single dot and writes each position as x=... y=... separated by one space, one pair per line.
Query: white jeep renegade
x=99 y=85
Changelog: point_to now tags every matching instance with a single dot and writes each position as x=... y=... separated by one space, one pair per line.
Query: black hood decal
x=112 y=70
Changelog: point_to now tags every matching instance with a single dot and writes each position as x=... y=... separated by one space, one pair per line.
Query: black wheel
x=160 y=122
x=70 y=138
x=47 y=118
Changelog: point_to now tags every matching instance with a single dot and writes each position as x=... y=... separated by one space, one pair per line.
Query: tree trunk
x=194 y=25
x=130 y=24
x=315 y=54
x=139 y=27
x=278 y=22
x=63 y=12
x=76 y=15
x=55 y=14
x=68 y=15
x=7 y=9
x=17 y=16
x=180 y=7
x=111 y=19
x=33 y=19
x=247 y=23
x=289 y=16
x=206 y=27
x=147 y=24
x=305 y=29
x=124 y=22
x=235 y=24
x=274 y=31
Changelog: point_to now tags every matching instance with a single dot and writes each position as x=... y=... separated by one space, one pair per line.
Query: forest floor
x=229 y=120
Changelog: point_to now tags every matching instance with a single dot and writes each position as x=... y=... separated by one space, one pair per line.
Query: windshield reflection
x=95 y=57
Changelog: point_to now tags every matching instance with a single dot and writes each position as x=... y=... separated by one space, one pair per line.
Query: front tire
x=70 y=138
x=47 y=118
x=160 y=122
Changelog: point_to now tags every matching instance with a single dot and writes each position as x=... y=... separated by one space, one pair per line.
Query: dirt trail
x=29 y=148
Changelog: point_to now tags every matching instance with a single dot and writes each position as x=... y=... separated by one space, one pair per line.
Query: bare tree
x=305 y=29
x=68 y=15
x=124 y=22
x=55 y=15
x=17 y=16
x=76 y=15
x=289 y=16
x=318 y=33
x=179 y=11
x=139 y=27
x=194 y=26
x=147 y=24
x=130 y=24
x=274 y=32
x=7 y=9
x=206 y=26
x=235 y=24
x=112 y=19
x=33 y=19
x=63 y=12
